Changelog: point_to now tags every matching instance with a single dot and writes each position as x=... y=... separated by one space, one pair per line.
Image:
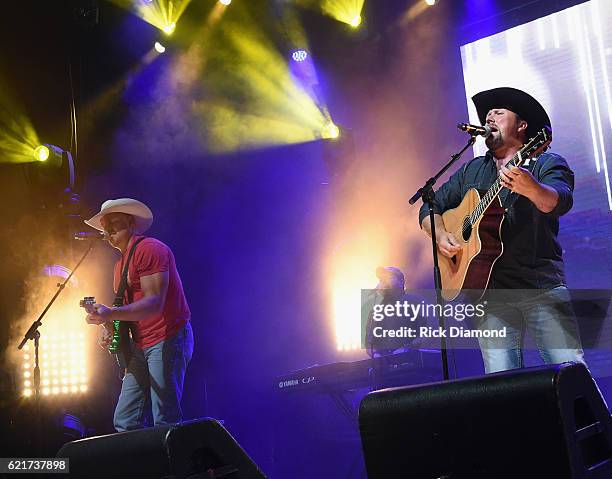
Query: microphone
x=90 y=236
x=475 y=130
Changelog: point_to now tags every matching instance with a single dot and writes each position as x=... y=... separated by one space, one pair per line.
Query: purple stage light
x=299 y=55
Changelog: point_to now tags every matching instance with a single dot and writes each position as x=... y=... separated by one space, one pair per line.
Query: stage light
x=49 y=153
x=51 y=164
x=299 y=55
x=64 y=365
x=41 y=153
x=169 y=28
x=159 y=48
x=253 y=107
x=330 y=131
x=162 y=14
x=346 y=11
x=431 y=3
x=225 y=2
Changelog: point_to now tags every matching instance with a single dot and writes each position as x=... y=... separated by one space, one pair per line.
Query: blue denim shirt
x=532 y=256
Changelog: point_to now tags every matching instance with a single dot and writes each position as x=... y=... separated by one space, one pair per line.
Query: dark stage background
x=258 y=228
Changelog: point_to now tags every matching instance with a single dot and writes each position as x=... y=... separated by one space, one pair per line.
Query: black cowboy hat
x=521 y=103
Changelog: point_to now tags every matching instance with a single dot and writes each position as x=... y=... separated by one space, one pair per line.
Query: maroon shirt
x=152 y=256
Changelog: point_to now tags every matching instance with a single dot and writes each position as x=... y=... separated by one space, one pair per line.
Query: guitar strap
x=125 y=328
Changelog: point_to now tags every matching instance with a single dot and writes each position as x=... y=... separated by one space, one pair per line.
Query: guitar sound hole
x=466 y=230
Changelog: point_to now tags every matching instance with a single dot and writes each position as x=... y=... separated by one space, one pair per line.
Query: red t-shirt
x=152 y=256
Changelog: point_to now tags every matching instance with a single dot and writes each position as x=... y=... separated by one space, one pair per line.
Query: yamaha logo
x=288 y=383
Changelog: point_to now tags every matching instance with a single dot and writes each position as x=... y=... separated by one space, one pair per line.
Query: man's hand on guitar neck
x=447 y=243
x=98 y=314
x=521 y=181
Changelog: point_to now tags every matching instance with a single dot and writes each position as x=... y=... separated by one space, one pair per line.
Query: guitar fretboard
x=493 y=191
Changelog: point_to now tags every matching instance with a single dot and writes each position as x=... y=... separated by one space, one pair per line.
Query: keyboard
x=410 y=367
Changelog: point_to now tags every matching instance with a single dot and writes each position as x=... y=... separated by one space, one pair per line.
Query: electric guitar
x=118 y=342
x=476 y=223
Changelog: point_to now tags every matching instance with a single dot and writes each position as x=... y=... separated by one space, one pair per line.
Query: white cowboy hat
x=143 y=216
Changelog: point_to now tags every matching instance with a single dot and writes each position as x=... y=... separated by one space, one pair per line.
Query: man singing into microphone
x=534 y=197
x=155 y=304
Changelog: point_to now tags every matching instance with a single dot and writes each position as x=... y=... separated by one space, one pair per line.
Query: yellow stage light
x=46 y=391
x=225 y=2
x=330 y=131
x=41 y=153
x=50 y=154
x=258 y=101
x=169 y=28
x=163 y=14
x=347 y=11
x=27 y=392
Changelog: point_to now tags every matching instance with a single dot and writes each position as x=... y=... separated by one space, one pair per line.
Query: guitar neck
x=493 y=191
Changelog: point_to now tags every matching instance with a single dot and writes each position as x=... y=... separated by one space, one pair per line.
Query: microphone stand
x=427 y=193
x=34 y=334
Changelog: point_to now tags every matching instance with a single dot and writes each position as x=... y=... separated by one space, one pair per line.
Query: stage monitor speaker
x=545 y=422
x=201 y=448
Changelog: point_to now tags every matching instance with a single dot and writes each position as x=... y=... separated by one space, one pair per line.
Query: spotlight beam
x=346 y=11
x=162 y=14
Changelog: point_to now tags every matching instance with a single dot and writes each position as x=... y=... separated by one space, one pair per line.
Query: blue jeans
x=155 y=377
x=550 y=319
